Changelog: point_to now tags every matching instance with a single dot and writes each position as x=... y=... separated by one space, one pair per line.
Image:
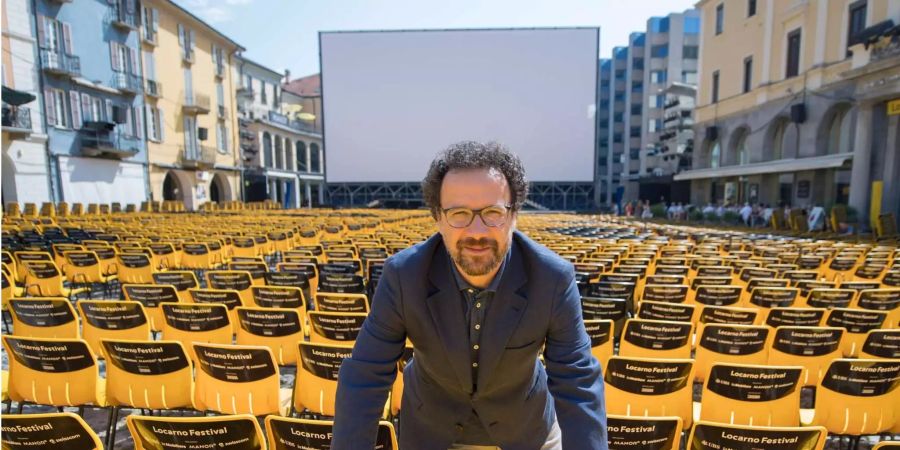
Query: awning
x=779 y=166
x=16 y=98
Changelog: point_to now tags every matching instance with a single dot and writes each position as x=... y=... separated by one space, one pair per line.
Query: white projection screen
x=393 y=99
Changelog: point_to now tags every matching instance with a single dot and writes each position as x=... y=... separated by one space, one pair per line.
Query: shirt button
x=478 y=305
x=474 y=364
x=477 y=327
x=475 y=346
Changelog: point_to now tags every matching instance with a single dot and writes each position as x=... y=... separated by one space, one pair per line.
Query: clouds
x=214 y=11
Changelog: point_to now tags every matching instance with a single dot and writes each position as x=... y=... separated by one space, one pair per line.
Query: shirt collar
x=462 y=284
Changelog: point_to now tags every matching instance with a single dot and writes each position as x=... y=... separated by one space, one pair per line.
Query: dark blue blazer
x=537 y=305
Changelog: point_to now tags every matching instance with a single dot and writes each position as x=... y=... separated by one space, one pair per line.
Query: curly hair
x=475 y=155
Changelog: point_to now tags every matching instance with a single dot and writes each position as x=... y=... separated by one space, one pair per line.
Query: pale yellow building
x=191 y=108
x=792 y=103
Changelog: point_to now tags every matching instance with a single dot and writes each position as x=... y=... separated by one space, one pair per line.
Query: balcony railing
x=154 y=88
x=300 y=125
x=60 y=63
x=128 y=82
x=220 y=70
x=245 y=91
x=222 y=112
x=196 y=104
x=149 y=35
x=120 y=17
x=16 y=119
x=102 y=139
x=198 y=156
x=187 y=55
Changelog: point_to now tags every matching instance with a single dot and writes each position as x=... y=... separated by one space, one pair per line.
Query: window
x=151 y=23
x=778 y=140
x=154 y=124
x=689 y=77
x=262 y=91
x=619 y=97
x=620 y=73
x=839 y=132
x=150 y=65
x=637 y=86
x=659 y=25
x=653 y=125
x=692 y=25
x=715 y=86
x=187 y=39
x=55 y=101
x=638 y=40
x=690 y=52
x=617 y=117
x=188 y=86
x=621 y=53
x=635 y=109
x=715 y=154
x=54 y=35
x=658 y=76
x=751 y=8
x=743 y=153
x=248 y=82
x=720 y=18
x=748 y=74
x=857 y=18
x=222 y=137
x=314 y=165
x=275 y=96
x=635 y=132
x=617 y=138
x=220 y=95
x=659 y=51
x=301 y=156
x=793 y=54
x=267 y=149
x=638 y=64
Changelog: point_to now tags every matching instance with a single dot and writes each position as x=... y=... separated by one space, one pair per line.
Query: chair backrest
x=812 y=348
x=134 y=268
x=647 y=433
x=43 y=279
x=83 y=266
x=147 y=374
x=28 y=431
x=615 y=309
x=23 y=257
x=650 y=387
x=112 y=319
x=773 y=297
x=859 y=396
x=317 y=374
x=667 y=293
x=236 y=379
x=676 y=312
x=197 y=255
x=830 y=298
x=713 y=295
x=742 y=344
x=151 y=296
x=857 y=322
x=798 y=317
x=285 y=433
x=158 y=433
x=189 y=323
x=883 y=299
x=234 y=280
x=335 y=327
x=886 y=445
x=50 y=317
x=182 y=280
x=341 y=283
x=228 y=297
x=601 y=333
x=279 y=296
x=708 y=435
x=742 y=394
x=279 y=329
x=656 y=339
x=334 y=302
x=728 y=314
x=881 y=344
x=257 y=269
x=57 y=372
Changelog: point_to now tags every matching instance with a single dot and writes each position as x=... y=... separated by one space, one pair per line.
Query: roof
x=778 y=166
x=310 y=85
x=203 y=22
x=247 y=60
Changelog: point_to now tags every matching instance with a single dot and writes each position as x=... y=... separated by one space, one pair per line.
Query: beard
x=476 y=265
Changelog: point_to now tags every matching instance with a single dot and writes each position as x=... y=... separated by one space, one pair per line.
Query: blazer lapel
x=446 y=312
x=503 y=315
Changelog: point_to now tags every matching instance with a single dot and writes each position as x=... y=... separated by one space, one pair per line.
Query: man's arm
x=573 y=375
x=366 y=377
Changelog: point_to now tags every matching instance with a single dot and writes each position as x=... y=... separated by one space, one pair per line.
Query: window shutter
x=74 y=106
x=219 y=136
x=181 y=35
x=149 y=66
x=135 y=64
x=67 y=38
x=161 y=124
x=86 y=113
x=151 y=135
x=155 y=14
x=212 y=53
x=114 y=56
x=193 y=39
x=109 y=111
x=129 y=124
x=42 y=31
x=50 y=106
x=138 y=123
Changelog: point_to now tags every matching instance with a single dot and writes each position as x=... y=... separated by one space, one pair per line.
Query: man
x=478 y=301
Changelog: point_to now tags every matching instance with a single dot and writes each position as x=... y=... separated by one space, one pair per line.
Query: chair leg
x=111 y=431
x=20 y=408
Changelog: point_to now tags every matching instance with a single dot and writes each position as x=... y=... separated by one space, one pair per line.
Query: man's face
x=477 y=248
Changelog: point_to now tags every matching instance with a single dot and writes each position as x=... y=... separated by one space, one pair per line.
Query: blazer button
x=459 y=428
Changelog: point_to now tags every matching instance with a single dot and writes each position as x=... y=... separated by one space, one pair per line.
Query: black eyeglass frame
x=477 y=212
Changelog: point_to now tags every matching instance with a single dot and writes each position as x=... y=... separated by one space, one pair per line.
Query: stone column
x=891 y=190
x=860 y=175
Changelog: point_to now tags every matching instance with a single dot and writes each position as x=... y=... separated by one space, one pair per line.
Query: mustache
x=482 y=242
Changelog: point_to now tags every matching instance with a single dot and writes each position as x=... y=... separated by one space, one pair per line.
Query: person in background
x=816 y=218
x=746 y=212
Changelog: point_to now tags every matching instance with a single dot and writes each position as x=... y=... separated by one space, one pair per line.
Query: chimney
x=287 y=76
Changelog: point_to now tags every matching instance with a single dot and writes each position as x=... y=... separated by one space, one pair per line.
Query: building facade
x=793 y=104
x=90 y=77
x=616 y=129
x=632 y=116
x=303 y=99
x=282 y=152
x=25 y=174
x=604 y=155
x=192 y=128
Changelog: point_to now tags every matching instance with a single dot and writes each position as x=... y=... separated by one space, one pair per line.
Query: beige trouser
x=554 y=442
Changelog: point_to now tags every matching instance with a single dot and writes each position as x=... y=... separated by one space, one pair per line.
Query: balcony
x=222 y=112
x=187 y=55
x=16 y=120
x=244 y=91
x=196 y=104
x=299 y=125
x=149 y=35
x=119 y=17
x=128 y=82
x=59 y=63
x=153 y=88
x=100 y=139
x=198 y=157
x=220 y=70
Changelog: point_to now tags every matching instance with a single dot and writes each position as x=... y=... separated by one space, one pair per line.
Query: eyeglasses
x=492 y=216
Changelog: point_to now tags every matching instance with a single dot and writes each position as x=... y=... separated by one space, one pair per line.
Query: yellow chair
x=797 y=317
x=187 y=323
x=163 y=255
x=858 y=397
x=112 y=319
x=708 y=435
x=741 y=394
x=257 y=268
x=881 y=344
x=83 y=267
x=728 y=315
x=23 y=257
x=279 y=329
x=656 y=339
x=182 y=280
x=44 y=279
x=766 y=298
x=812 y=348
x=44 y=318
x=134 y=268
x=645 y=387
x=228 y=297
x=727 y=343
x=829 y=298
x=601 y=333
x=657 y=433
x=335 y=327
x=666 y=293
x=675 y=312
x=883 y=445
x=284 y=432
x=49 y=430
x=857 y=322
x=198 y=256
x=151 y=296
x=234 y=280
x=316 y=383
x=279 y=296
x=334 y=302
x=55 y=372
x=236 y=379
x=716 y=295
x=882 y=299
x=155 y=433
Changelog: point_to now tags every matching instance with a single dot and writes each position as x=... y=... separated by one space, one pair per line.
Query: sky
x=283 y=34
